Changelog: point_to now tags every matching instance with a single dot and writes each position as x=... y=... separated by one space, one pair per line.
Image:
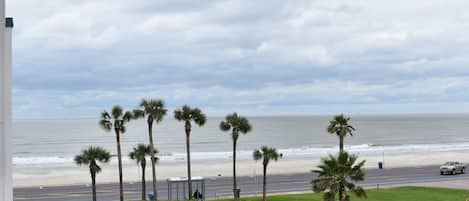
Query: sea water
x=55 y=142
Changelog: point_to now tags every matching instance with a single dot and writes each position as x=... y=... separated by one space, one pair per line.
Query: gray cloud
x=260 y=57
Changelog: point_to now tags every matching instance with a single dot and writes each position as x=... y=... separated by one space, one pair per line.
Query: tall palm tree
x=154 y=111
x=337 y=174
x=187 y=115
x=340 y=126
x=139 y=154
x=116 y=120
x=236 y=124
x=265 y=154
x=90 y=157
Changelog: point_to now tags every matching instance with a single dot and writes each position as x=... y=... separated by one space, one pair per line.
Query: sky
x=76 y=58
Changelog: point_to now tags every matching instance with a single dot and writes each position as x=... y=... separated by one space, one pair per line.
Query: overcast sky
x=75 y=58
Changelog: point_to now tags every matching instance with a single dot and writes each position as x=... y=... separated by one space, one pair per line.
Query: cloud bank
x=76 y=58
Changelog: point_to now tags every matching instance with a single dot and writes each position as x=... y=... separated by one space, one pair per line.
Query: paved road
x=221 y=187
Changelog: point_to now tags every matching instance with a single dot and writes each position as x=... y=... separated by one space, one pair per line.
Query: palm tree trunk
x=234 y=170
x=153 y=165
x=341 y=143
x=264 y=182
x=188 y=149
x=143 y=181
x=93 y=184
x=341 y=191
x=119 y=158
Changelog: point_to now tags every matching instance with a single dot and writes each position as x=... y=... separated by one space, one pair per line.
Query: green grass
x=391 y=194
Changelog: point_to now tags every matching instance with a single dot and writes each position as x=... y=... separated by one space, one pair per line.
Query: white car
x=452 y=167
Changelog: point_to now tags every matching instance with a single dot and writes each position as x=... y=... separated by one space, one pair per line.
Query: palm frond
x=257 y=155
x=224 y=126
x=105 y=124
x=198 y=117
x=137 y=113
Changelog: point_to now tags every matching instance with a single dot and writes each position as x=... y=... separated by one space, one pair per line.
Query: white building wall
x=6 y=190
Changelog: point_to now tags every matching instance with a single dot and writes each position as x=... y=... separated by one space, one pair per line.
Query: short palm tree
x=341 y=127
x=337 y=174
x=265 y=154
x=154 y=111
x=187 y=115
x=90 y=157
x=237 y=125
x=139 y=154
x=116 y=120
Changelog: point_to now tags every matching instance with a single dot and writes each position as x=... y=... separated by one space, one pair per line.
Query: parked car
x=452 y=167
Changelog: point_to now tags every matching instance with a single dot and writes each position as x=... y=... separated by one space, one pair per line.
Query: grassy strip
x=391 y=194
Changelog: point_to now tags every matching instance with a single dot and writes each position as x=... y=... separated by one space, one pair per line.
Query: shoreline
x=25 y=176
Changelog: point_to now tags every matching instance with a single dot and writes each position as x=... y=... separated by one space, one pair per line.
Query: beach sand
x=61 y=176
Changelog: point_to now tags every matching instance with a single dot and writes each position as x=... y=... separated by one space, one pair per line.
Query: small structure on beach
x=178 y=188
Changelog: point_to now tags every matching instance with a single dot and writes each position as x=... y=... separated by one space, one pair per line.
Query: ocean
x=46 y=143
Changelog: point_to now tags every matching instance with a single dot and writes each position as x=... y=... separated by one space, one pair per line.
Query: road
x=221 y=187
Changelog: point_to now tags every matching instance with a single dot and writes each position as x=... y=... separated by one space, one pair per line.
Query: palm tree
x=116 y=120
x=139 y=154
x=154 y=111
x=265 y=154
x=337 y=174
x=187 y=115
x=340 y=126
x=90 y=157
x=237 y=124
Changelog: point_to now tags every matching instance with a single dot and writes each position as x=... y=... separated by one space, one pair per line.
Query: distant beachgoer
x=197 y=194
x=281 y=155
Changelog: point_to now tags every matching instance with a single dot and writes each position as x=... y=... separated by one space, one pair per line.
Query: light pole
x=6 y=181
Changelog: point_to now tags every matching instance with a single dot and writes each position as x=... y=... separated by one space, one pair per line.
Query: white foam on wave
x=301 y=152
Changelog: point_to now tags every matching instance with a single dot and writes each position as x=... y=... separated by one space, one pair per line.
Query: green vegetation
x=154 y=111
x=139 y=154
x=340 y=126
x=265 y=154
x=117 y=120
x=392 y=194
x=90 y=157
x=187 y=115
x=337 y=175
x=236 y=124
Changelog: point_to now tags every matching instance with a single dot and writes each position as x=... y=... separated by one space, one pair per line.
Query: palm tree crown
x=154 y=110
x=140 y=153
x=265 y=154
x=341 y=127
x=188 y=114
x=91 y=155
x=116 y=119
x=237 y=124
x=337 y=174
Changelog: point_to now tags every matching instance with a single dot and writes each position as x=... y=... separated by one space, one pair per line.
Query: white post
x=6 y=181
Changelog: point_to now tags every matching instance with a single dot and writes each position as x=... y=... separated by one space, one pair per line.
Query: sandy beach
x=74 y=175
